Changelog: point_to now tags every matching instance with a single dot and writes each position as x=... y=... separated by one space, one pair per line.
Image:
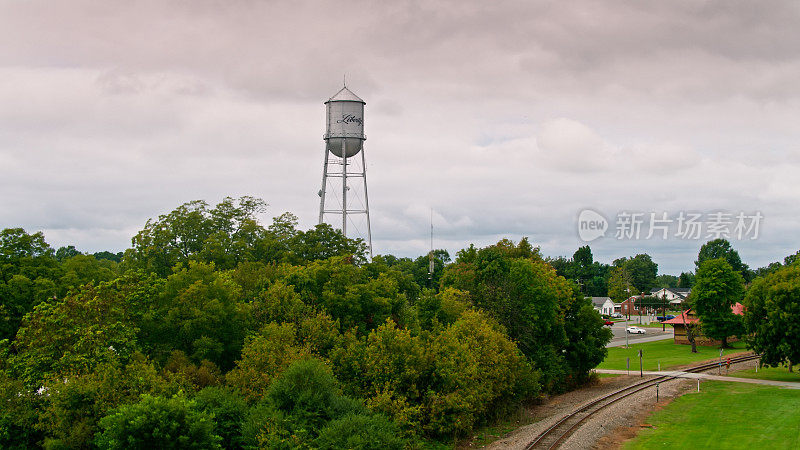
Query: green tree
x=528 y=298
x=225 y=235
x=419 y=268
x=721 y=248
x=389 y=367
x=75 y=404
x=620 y=285
x=772 y=317
x=73 y=335
x=444 y=307
x=200 y=312
x=308 y=392
x=81 y=269
x=586 y=347
x=264 y=357
x=439 y=383
x=16 y=246
x=28 y=275
x=643 y=272
x=19 y=414
x=106 y=255
x=361 y=431
x=476 y=372
x=157 y=422
x=349 y=294
x=229 y=410
x=791 y=259
x=323 y=242
x=770 y=268
x=666 y=281
x=590 y=276
x=685 y=280
x=716 y=289
x=299 y=405
x=67 y=252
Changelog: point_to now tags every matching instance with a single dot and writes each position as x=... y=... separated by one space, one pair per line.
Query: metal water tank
x=345 y=128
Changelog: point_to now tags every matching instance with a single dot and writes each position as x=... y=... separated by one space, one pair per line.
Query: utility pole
x=626 y=327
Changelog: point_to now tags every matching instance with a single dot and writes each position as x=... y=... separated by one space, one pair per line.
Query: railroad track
x=554 y=436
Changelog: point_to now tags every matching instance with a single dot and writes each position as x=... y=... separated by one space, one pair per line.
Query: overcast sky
x=506 y=118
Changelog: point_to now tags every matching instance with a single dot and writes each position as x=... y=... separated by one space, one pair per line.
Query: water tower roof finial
x=346 y=95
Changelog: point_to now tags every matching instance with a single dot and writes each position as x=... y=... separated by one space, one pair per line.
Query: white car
x=635 y=330
x=617 y=316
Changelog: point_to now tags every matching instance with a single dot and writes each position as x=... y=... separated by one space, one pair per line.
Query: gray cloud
x=505 y=119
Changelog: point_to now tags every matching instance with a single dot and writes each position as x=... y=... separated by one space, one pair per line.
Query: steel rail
x=549 y=433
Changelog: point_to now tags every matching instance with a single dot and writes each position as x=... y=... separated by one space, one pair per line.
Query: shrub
x=191 y=377
x=320 y=333
x=266 y=427
x=360 y=431
x=444 y=307
x=75 y=404
x=228 y=408
x=278 y=303
x=157 y=422
x=18 y=414
x=441 y=383
x=309 y=392
x=264 y=356
x=477 y=373
x=301 y=401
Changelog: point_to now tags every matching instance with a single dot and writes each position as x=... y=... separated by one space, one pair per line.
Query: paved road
x=652 y=334
x=708 y=376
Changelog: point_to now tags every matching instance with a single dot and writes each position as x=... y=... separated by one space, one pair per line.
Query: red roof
x=737 y=309
x=679 y=320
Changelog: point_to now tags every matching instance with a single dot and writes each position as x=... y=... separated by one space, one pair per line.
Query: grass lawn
x=607 y=375
x=726 y=415
x=769 y=373
x=665 y=352
x=658 y=325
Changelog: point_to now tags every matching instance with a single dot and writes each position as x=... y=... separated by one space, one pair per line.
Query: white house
x=603 y=305
x=676 y=296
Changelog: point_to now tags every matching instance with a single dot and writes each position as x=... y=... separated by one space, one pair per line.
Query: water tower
x=344 y=175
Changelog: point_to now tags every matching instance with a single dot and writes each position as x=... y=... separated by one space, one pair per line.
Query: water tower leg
x=344 y=187
x=324 y=185
x=366 y=200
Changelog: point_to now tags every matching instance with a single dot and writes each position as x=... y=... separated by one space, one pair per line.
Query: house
x=689 y=317
x=629 y=306
x=603 y=305
x=676 y=296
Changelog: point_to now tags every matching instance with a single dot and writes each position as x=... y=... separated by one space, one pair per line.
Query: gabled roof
x=680 y=292
x=345 y=95
x=600 y=301
x=737 y=309
x=680 y=319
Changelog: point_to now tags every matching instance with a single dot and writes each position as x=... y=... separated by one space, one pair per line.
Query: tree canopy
x=721 y=248
x=214 y=330
x=716 y=289
x=772 y=316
